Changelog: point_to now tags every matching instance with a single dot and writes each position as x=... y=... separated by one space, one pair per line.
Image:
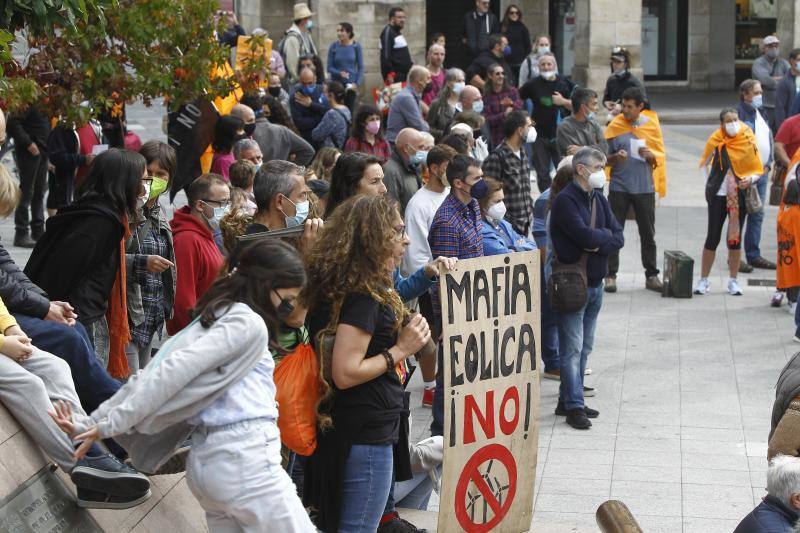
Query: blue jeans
x=92 y=383
x=437 y=424
x=415 y=492
x=365 y=487
x=752 y=233
x=550 y=356
x=575 y=340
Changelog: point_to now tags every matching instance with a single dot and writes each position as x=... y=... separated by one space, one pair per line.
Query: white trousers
x=235 y=473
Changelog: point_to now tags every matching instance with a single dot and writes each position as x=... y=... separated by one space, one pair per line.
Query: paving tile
x=717 y=501
x=647 y=458
x=720 y=477
x=646 y=473
x=644 y=443
x=715 y=461
x=709 y=525
x=594 y=487
x=563 y=522
x=659 y=524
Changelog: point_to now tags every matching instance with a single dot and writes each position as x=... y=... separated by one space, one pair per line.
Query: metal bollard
x=614 y=516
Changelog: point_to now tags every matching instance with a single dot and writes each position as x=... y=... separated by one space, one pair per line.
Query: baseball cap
x=770 y=39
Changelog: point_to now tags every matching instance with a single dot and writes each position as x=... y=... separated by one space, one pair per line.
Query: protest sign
x=490 y=321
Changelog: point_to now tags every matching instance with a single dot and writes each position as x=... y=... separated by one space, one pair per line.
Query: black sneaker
x=562 y=411
x=90 y=499
x=105 y=474
x=577 y=419
x=398 y=525
x=23 y=240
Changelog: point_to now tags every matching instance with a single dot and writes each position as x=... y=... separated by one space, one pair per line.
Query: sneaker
x=744 y=268
x=90 y=499
x=399 y=525
x=654 y=284
x=552 y=374
x=591 y=413
x=777 y=299
x=577 y=419
x=588 y=392
x=105 y=474
x=760 y=262
x=733 y=287
x=702 y=286
x=23 y=240
x=427 y=397
x=587 y=372
x=611 y=285
x=562 y=411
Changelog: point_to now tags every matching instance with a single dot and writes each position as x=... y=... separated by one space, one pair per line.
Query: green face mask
x=158 y=187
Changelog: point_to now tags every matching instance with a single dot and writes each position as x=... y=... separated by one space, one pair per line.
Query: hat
x=770 y=39
x=301 y=11
x=461 y=128
x=618 y=52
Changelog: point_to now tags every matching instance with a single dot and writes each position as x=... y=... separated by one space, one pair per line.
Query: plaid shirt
x=495 y=111
x=512 y=171
x=455 y=232
x=380 y=149
x=152 y=285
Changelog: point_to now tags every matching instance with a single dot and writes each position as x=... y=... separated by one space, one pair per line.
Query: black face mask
x=284 y=309
x=428 y=87
x=275 y=91
x=249 y=129
x=237 y=138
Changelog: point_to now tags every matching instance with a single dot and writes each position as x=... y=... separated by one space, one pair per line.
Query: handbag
x=776 y=188
x=752 y=200
x=568 y=285
x=298 y=390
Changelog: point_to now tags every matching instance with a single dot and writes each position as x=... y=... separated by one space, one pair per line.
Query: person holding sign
x=582 y=228
x=638 y=171
x=364 y=437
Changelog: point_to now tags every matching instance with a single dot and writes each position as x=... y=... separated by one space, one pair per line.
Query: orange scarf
x=119 y=331
x=788 y=274
x=650 y=131
x=742 y=151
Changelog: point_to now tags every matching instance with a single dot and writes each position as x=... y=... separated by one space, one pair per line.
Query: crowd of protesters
x=109 y=318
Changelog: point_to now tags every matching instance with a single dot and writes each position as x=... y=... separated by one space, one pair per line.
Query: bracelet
x=389 y=360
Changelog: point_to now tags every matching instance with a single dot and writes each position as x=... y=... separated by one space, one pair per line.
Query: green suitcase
x=678 y=268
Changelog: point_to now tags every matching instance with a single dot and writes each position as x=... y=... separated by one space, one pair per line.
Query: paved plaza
x=685 y=386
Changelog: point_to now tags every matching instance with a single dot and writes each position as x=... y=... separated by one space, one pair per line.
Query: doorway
x=447 y=17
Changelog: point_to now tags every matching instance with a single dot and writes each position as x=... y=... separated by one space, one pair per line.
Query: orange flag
x=788 y=274
x=742 y=151
x=650 y=131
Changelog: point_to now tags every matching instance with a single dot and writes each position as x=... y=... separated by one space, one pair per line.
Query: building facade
x=688 y=44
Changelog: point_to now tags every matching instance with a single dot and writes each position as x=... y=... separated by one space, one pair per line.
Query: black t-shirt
x=375 y=406
x=545 y=114
x=255 y=227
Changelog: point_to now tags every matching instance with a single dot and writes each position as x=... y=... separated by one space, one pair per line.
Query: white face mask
x=549 y=75
x=597 y=179
x=458 y=86
x=497 y=211
x=732 y=128
x=530 y=138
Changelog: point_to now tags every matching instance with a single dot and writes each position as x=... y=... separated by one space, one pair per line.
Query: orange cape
x=224 y=106
x=788 y=274
x=650 y=131
x=742 y=151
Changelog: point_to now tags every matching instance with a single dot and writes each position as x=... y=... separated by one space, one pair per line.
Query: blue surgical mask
x=418 y=158
x=477 y=106
x=591 y=115
x=219 y=212
x=300 y=213
x=507 y=50
x=758 y=101
x=309 y=25
x=258 y=165
x=458 y=87
x=479 y=189
x=308 y=90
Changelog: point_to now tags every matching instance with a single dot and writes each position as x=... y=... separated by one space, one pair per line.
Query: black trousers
x=545 y=152
x=33 y=185
x=644 y=206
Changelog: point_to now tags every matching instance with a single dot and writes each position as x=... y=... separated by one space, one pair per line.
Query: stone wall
x=788 y=29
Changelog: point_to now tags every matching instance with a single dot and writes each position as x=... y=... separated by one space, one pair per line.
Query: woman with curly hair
x=350 y=292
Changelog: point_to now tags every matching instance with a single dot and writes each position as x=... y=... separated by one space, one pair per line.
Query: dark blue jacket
x=771 y=516
x=307 y=118
x=571 y=235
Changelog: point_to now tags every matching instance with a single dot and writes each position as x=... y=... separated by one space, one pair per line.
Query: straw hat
x=301 y=11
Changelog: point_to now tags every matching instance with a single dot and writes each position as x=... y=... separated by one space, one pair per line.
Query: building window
x=664 y=39
x=755 y=19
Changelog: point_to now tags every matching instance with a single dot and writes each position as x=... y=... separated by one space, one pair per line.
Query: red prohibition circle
x=470 y=472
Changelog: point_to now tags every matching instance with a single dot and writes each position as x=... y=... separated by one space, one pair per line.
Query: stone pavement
x=685 y=387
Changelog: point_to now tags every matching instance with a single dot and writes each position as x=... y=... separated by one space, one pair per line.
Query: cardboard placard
x=491 y=323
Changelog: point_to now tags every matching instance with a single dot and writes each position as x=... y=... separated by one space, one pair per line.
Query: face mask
x=543 y=49
x=772 y=53
x=275 y=91
x=732 y=128
x=428 y=87
x=249 y=129
x=419 y=157
x=300 y=214
x=477 y=106
x=597 y=179
x=758 y=101
x=373 y=126
x=591 y=115
x=219 y=212
x=458 y=87
x=479 y=190
x=258 y=165
x=620 y=73
x=530 y=137
x=308 y=90
x=550 y=75
x=497 y=211
x=284 y=309
x=310 y=25
x=157 y=187
x=506 y=50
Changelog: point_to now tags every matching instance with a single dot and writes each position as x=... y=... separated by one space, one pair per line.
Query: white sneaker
x=702 y=286
x=733 y=287
x=790 y=307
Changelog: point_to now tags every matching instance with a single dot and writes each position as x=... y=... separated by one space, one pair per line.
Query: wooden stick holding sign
x=490 y=320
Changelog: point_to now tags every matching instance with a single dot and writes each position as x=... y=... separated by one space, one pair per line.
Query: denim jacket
x=413 y=286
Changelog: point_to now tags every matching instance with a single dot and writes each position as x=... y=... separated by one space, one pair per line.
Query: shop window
x=664 y=39
x=755 y=19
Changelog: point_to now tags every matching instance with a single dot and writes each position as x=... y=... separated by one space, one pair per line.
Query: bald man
x=405 y=110
x=470 y=99
x=436 y=68
x=401 y=173
x=248 y=116
x=308 y=104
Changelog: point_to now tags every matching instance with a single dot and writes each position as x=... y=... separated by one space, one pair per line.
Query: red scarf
x=117 y=315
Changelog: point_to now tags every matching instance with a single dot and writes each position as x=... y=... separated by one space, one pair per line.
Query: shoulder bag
x=568 y=285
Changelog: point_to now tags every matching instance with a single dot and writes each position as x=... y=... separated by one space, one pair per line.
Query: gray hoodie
x=147 y=416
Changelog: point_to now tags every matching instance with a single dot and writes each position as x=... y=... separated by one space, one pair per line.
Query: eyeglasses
x=400 y=232
x=513 y=12
x=218 y=203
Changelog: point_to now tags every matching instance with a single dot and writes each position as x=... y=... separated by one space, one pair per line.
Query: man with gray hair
x=780 y=509
x=582 y=228
x=281 y=196
x=405 y=111
x=248 y=150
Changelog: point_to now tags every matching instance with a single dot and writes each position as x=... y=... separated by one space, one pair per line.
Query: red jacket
x=197 y=260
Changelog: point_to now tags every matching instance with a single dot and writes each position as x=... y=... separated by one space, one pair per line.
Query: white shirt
x=419 y=215
x=762 y=138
